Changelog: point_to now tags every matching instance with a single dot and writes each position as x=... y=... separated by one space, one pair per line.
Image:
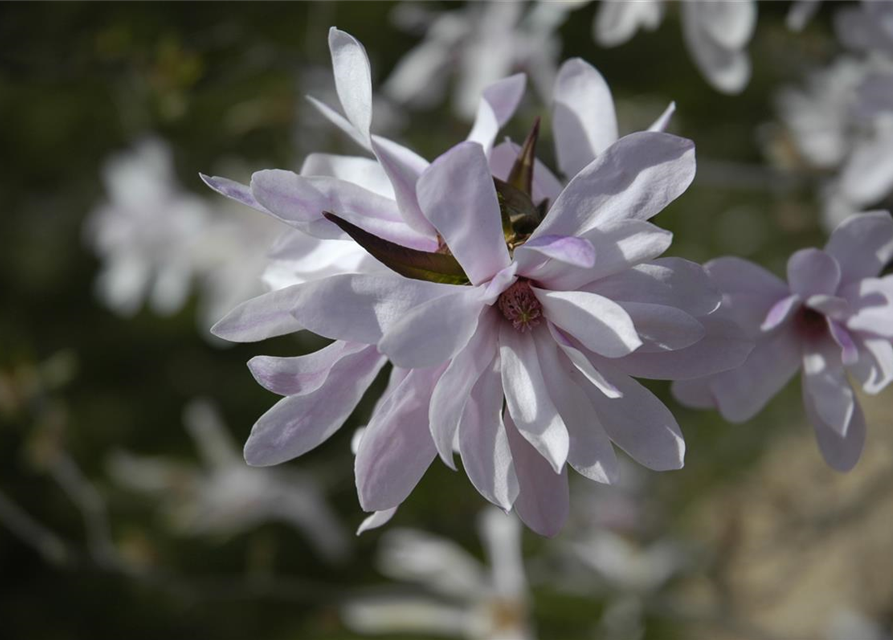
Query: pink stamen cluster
x=520 y=306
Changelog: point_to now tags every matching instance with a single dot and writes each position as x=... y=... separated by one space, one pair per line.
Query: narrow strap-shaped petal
x=636 y=178
x=663 y=328
x=579 y=360
x=825 y=380
x=618 y=20
x=577 y=252
x=376 y=520
x=497 y=105
x=266 y=316
x=403 y=168
x=543 y=500
x=457 y=195
x=601 y=325
x=233 y=190
x=663 y=120
x=353 y=79
x=862 y=245
x=300 y=375
x=527 y=399
x=297 y=424
x=363 y=172
x=840 y=452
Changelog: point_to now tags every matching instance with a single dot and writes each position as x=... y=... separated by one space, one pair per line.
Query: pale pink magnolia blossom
x=550 y=327
x=716 y=33
x=833 y=316
x=468 y=600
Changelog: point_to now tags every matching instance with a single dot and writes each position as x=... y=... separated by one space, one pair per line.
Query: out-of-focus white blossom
x=224 y=495
x=476 y=45
x=465 y=598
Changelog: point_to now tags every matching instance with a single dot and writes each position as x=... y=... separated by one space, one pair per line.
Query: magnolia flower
x=481 y=43
x=145 y=232
x=499 y=284
x=716 y=33
x=833 y=316
x=224 y=496
x=468 y=600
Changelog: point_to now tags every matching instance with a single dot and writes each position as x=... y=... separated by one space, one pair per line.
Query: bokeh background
x=112 y=522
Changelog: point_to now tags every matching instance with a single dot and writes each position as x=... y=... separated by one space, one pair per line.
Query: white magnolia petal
x=601 y=325
x=363 y=172
x=867 y=175
x=376 y=520
x=741 y=393
x=359 y=307
x=525 y=393
x=871 y=302
x=266 y=316
x=396 y=448
x=453 y=388
x=663 y=120
x=862 y=245
x=813 y=272
x=663 y=328
x=233 y=190
x=590 y=452
x=483 y=443
x=543 y=500
x=672 y=282
x=582 y=363
x=749 y=291
x=583 y=120
x=497 y=105
x=300 y=375
x=618 y=20
x=840 y=452
x=834 y=307
x=726 y=68
x=874 y=368
x=635 y=178
x=724 y=348
x=341 y=122
x=639 y=423
x=403 y=168
x=781 y=312
x=297 y=424
x=458 y=197
x=577 y=252
x=824 y=378
x=434 y=331
x=353 y=79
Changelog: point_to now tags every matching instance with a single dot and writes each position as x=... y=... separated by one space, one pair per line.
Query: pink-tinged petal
x=749 y=291
x=543 y=501
x=403 y=168
x=525 y=394
x=363 y=172
x=741 y=393
x=500 y=282
x=618 y=20
x=840 y=452
x=639 y=423
x=862 y=245
x=483 y=443
x=263 y=317
x=453 y=388
x=618 y=245
x=694 y=393
x=663 y=328
x=813 y=272
x=824 y=378
x=497 y=105
x=341 y=122
x=601 y=325
x=301 y=374
x=359 y=307
x=397 y=449
x=849 y=353
x=780 y=312
x=663 y=121
x=376 y=520
x=353 y=79
x=724 y=347
x=582 y=363
x=635 y=178
x=577 y=252
x=583 y=120
x=233 y=190
x=545 y=184
x=874 y=369
x=831 y=306
x=673 y=282
x=726 y=68
x=434 y=331
x=395 y=231
x=591 y=453
x=871 y=303
x=458 y=197
x=297 y=424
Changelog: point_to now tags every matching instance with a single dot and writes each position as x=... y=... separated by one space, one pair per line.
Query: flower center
x=520 y=307
x=811 y=323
